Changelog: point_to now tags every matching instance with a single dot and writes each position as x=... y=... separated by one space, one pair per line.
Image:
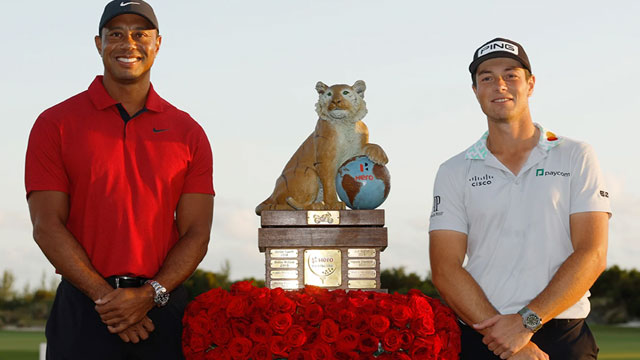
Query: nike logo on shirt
x=159 y=130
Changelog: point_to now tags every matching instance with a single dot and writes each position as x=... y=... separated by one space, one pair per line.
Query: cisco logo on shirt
x=477 y=181
x=543 y=172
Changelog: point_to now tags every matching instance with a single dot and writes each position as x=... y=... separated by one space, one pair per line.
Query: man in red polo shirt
x=119 y=186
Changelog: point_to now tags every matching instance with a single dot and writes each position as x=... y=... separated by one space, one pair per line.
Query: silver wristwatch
x=530 y=320
x=162 y=296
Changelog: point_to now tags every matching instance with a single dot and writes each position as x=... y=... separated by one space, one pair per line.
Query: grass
x=20 y=345
x=615 y=343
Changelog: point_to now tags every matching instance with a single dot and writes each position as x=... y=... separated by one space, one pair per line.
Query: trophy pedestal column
x=330 y=249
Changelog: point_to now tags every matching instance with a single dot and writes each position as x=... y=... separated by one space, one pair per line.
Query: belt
x=118 y=281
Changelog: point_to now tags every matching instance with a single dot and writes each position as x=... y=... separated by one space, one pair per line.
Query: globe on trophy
x=363 y=184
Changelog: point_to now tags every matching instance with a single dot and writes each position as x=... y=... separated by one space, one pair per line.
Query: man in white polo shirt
x=530 y=210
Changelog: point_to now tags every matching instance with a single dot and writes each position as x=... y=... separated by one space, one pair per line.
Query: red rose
x=239 y=327
x=426 y=348
x=261 y=352
x=197 y=343
x=282 y=304
x=406 y=338
x=345 y=317
x=199 y=324
x=278 y=346
x=260 y=298
x=220 y=335
x=313 y=313
x=241 y=287
x=420 y=306
x=368 y=344
x=400 y=315
x=392 y=340
x=329 y=330
x=295 y=337
x=423 y=326
x=384 y=303
x=379 y=324
x=237 y=306
x=304 y=300
x=360 y=324
x=240 y=348
x=260 y=331
x=347 y=340
x=320 y=351
x=280 y=323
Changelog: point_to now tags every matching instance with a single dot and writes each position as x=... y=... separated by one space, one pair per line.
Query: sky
x=246 y=71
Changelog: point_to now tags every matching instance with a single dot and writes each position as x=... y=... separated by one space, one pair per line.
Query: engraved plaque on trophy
x=330 y=249
x=323 y=268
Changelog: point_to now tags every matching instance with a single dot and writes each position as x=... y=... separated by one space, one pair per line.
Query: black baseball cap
x=119 y=7
x=496 y=48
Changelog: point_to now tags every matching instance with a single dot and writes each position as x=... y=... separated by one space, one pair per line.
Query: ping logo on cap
x=497 y=46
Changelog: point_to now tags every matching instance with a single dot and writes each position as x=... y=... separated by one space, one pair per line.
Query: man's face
x=128 y=46
x=502 y=89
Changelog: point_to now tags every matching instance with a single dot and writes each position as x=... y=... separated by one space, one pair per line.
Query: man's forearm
x=182 y=260
x=70 y=260
x=580 y=270
x=49 y=212
x=572 y=280
x=463 y=294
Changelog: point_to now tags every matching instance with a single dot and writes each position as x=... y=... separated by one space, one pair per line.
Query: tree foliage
x=397 y=280
x=615 y=296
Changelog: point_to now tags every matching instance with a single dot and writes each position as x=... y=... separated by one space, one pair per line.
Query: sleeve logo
x=436 y=205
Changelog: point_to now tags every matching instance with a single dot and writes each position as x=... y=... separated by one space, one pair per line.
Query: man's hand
x=530 y=352
x=137 y=332
x=504 y=334
x=123 y=308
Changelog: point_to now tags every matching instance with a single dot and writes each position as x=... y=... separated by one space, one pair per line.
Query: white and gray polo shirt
x=518 y=226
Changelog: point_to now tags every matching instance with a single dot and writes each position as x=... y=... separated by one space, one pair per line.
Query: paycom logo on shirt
x=543 y=172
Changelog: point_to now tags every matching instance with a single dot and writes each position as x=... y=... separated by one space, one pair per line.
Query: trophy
x=307 y=234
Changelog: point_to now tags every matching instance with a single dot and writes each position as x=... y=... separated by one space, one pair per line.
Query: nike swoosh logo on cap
x=129 y=3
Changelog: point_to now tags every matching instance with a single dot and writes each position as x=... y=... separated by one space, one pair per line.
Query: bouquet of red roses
x=317 y=324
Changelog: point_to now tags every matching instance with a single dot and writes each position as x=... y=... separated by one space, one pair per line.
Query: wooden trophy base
x=330 y=249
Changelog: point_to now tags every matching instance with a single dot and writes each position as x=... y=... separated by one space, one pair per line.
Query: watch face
x=162 y=299
x=532 y=321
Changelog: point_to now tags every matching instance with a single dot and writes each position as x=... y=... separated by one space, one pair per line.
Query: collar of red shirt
x=102 y=100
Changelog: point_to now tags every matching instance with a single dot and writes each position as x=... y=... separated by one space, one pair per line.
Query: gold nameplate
x=323 y=268
x=285 y=284
x=361 y=252
x=362 y=274
x=323 y=217
x=362 y=284
x=284 y=253
x=284 y=264
x=360 y=263
x=284 y=274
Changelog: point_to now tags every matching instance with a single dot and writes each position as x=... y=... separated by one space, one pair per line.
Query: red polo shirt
x=123 y=180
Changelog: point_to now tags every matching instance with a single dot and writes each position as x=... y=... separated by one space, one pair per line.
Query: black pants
x=561 y=339
x=74 y=330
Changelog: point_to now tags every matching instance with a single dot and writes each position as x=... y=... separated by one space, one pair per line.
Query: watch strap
x=161 y=297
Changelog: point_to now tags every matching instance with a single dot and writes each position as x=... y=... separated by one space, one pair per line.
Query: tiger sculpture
x=308 y=180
